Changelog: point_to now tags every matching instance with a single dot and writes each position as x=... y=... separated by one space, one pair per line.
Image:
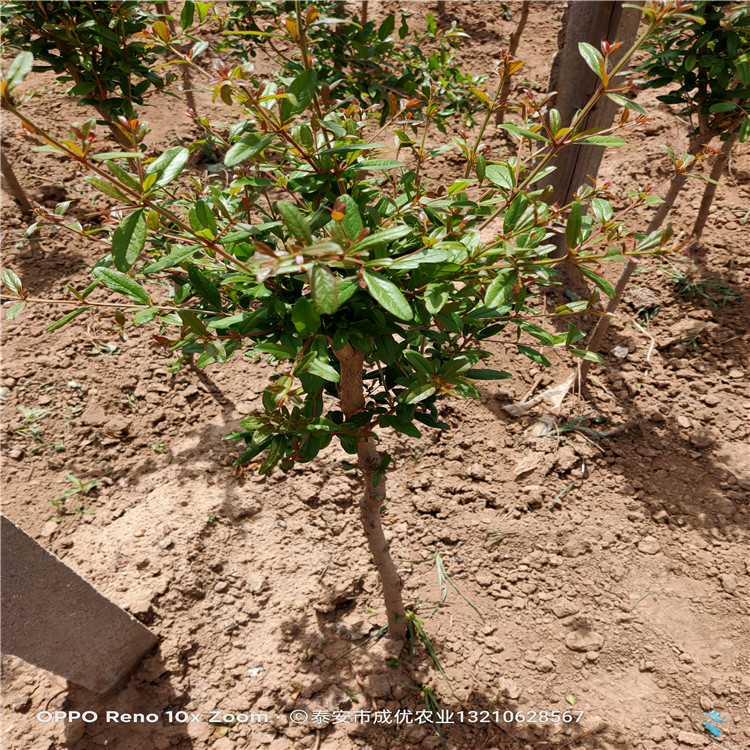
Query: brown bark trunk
x=364 y=12
x=15 y=187
x=594 y=344
x=351 y=395
x=710 y=191
x=515 y=38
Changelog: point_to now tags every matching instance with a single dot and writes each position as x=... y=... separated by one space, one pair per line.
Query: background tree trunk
x=597 y=337
x=515 y=38
x=710 y=191
x=14 y=186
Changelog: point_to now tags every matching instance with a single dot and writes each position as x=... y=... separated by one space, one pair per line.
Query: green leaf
x=276 y=350
x=323 y=370
x=501 y=289
x=600 y=281
x=623 y=101
x=295 y=222
x=107 y=188
x=299 y=94
x=602 y=210
x=501 y=175
x=593 y=58
x=324 y=288
x=203 y=286
x=601 y=140
x=144 y=316
x=12 y=312
x=128 y=240
x=388 y=295
x=253 y=451
x=745 y=130
x=66 y=319
x=123 y=175
x=584 y=354
x=384 y=237
x=352 y=221
x=202 y=218
x=121 y=283
x=436 y=295
x=533 y=354
x=378 y=164
x=11 y=280
x=573 y=227
x=407 y=428
x=246 y=148
x=19 y=69
x=417 y=394
x=169 y=165
x=187 y=14
x=723 y=107
x=421 y=364
x=517 y=130
x=570 y=698
x=487 y=374
x=305 y=317
x=174 y=258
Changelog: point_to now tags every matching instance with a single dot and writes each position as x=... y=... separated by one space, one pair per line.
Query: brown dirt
x=612 y=576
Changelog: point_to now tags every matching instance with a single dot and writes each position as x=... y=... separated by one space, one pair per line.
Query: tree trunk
x=162 y=8
x=364 y=12
x=597 y=337
x=710 y=191
x=351 y=395
x=15 y=187
x=515 y=38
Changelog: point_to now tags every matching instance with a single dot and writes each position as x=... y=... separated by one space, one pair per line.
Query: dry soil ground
x=612 y=574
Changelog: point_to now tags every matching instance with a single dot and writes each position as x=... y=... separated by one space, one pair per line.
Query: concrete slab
x=54 y=619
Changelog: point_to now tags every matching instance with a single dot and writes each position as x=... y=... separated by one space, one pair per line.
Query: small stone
x=564 y=608
x=711 y=399
x=566 y=459
x=592 y=655
x=703 y=438
x=736 y=374
x=257 y=584
x=575 y=547
x=649 y=545
x=728 y=582
x=94 y=415
x=691 y=739
x=657 y=733
x=661 y=516
x=620 y=352
x=379 y=686
x=18 y=702
x=584 y=640
x=684 y=422
x=509 y=689
x=221 y=587
x=485 y=578
x=706 y=703
x=15 y=453
x=50 y=528
x=476 y=471
x=544 y=664
x=166 y=543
